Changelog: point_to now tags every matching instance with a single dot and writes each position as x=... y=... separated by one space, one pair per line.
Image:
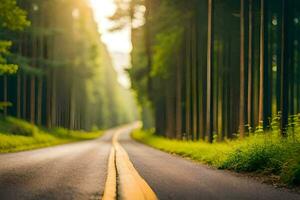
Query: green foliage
x=168 y=44
x=20 y=127
x=291 y=171
x=75 y=135
x=11 y=16
x=4 y=105
x=139 y=73
x=157 y=47
x=14 y=143
x=18 y=135
x=63 y=55
x=213 y=154
x=4 y=67
x=168 y=38
x=266 y=153
x=124 y=14
x=8 y=69
x=4 y=45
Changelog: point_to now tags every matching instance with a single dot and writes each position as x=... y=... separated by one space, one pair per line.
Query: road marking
x=110 y=191
x=130 y=185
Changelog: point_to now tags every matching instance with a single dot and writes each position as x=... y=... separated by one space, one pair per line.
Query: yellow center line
x=130 y=185
x=110 y=191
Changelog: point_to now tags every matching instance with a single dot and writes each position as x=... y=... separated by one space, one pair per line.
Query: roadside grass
x=263 y=153
x=18 y=135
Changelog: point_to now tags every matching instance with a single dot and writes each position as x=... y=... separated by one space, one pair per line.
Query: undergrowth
x=18 y=135
x=266 y=153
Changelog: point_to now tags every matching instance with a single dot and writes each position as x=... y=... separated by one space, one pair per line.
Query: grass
x=263 y=153
x=18 y=135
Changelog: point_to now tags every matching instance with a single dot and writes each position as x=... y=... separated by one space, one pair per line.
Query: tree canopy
x=66 y=75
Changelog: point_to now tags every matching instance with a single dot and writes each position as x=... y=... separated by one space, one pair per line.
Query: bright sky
x=118 y=43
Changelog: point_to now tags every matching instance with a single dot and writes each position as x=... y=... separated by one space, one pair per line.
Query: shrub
x=19 y=127
x=290 y=172
x=267 y=153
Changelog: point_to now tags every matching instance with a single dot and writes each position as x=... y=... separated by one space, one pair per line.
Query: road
x=71 y=171
x=80 y=170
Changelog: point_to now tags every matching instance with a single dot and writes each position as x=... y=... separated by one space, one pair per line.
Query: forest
x=86 y=86
x=54 y=69
x=216 y=69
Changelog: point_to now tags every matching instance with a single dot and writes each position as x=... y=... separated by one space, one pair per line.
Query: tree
x=209 y=125
x=250 y=64
x=262 y=63
x=232 y=61
x=72 y=85
x=12 y=18
x=242 y=70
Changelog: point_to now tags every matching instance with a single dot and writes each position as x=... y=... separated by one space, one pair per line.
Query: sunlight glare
x=118 y=43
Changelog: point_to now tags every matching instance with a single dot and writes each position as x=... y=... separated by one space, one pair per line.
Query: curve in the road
x=79 y=171
x=123 y=181
x=174 y=178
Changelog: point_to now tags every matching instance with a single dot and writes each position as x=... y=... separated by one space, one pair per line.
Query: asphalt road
x=71 y=171
x=172 y=177
x=78 y=171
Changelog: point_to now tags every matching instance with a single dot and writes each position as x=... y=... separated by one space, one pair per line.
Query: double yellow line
x=123 y=181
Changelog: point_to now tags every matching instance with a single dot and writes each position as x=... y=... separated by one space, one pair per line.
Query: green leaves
x=8 y=69
x=4 y=45
x=5 y=105
x=167 y=45
x=4 y=67
x=168 y=38
x=270 y=155
x=11 y=16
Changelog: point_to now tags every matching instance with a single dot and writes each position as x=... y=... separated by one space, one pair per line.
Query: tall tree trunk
x=39 y=99
x=284 y=70
x=242 y=70
x=194 y=82
x=32 y=99
x=72 y=108
x=49 y=75
x=250 y=66
x=33 y=62
x=178 y=99
x=48 y=100
x=261 y=80
x=170 y=110
x=188 y=86
x=201 y=83
x=24 y=96
x=40 y=78
x=209 y=117
x=5 y=98
x=19 y=81
x=220 y=102
x=148 y=46
x=53 y=98
x=267 y=68
x=32 y=82
x=19 y=95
